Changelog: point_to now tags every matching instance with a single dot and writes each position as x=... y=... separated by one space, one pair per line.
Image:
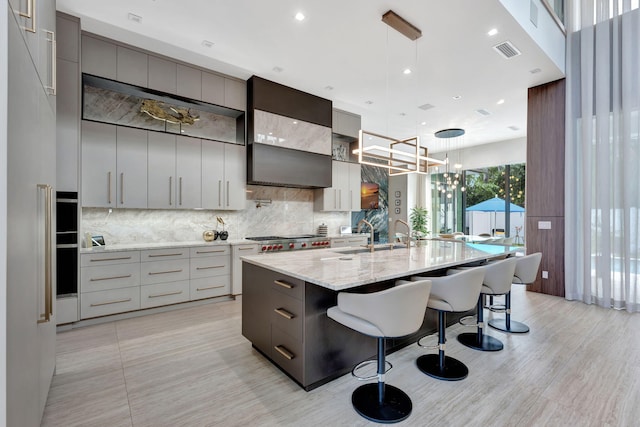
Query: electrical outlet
x=545 y=274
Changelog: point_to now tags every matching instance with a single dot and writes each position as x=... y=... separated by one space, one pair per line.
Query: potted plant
x=419 y=218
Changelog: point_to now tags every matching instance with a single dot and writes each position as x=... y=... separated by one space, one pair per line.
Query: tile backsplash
x=290 y=212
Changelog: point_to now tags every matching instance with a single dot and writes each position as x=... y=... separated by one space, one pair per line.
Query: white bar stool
x=525 y=273
x=454 y=293
x=497 y=281
x=394 y=312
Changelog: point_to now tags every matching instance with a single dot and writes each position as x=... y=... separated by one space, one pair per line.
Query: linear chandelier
x=399 y=156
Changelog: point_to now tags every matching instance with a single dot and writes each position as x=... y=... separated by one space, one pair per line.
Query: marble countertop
x=160 y=245
x=338 y=270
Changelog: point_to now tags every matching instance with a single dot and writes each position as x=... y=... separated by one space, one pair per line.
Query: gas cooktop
x=292 y=242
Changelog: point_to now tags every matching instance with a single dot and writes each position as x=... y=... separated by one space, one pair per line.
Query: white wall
x=494 y=154
x=3 y=210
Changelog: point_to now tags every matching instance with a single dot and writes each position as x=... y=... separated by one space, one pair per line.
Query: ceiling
x=344 y=52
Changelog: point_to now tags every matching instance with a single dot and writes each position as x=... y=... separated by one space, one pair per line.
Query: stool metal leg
x=438 y=365
x=506 y=324
x=381 y=403
x=478 y=340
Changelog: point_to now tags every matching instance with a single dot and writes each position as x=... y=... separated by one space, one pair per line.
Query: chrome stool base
x=514 y=327
x=453 y=369
x=396 y=405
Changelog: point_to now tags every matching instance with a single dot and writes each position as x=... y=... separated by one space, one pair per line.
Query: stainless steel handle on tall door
x=109 y=187
x=170 y=190
x=227 y=193
x=51 y=37
x=180 y=188
x=122 y=188
x=48 y=254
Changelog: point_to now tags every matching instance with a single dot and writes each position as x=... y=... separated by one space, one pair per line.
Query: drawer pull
x=283 y=351
x=110 y=259
x=110 y=302
x=165 y=295
x=245 y=249
x=210 y=252
x=110 y=278
x=207 y=268
x=160 y=255
x=210 y=287
x=283 y=284
x=151 y=273
x=284 y=313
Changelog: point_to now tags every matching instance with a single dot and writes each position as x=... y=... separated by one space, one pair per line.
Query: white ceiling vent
x=507 y=49
x=426 y=107
x=483 y=112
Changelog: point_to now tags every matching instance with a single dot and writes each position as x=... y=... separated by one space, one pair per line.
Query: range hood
x=289 y=136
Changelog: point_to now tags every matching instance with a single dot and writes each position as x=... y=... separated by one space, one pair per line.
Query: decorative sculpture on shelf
x=157 y=110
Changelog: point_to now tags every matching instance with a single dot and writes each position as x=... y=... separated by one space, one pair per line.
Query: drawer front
x=286 y=351
x=210 y=266
x=338 y=243
x=109 y=258
x=164 y=271
x=242 y=250
x=286 y=315
x=209 y=287
x=286 y=285
x=356 y=241
x=205 y=251
x=164 y=254
x=102 y=278
x=103 y=303
x=164 y=293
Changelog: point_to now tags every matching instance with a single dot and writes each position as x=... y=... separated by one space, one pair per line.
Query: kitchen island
x=286 y=296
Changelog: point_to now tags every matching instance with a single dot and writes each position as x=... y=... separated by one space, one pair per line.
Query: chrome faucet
x=408 y=231
x=370 y=246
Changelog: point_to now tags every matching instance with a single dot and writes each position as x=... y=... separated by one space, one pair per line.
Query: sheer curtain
x=602 y=210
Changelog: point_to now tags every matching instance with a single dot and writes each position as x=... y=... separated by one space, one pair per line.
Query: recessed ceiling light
x=277 y=69
x=457 y=97
x=368 y=102
x=135 y=18
x=407 y=71
x=500 y=102
x=295 y=123
x=328 y=88
x=535 y=71
x=300 y=16
x=207 y=43
x=423 y=123
x=493 y=32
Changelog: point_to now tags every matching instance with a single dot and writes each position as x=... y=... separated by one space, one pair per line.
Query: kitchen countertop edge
x=162 y=245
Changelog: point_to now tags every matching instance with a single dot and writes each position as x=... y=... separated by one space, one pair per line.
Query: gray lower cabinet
x=236 y=264
x=210 y=272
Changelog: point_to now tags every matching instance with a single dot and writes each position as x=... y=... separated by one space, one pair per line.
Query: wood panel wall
x=545 y=183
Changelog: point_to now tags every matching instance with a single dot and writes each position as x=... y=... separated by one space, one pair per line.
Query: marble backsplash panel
x=273 y=129
x=289 y=212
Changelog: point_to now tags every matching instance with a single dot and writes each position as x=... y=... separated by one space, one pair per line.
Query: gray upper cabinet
x=131 y=164
x=68 y=38
x=132 y=66
x=213 y=88
x=235 y=94
x=99 y=57
x=67 y=125
x=189 y=82
x=162 y=75
x=345 y=123
x=188 y=172
x=98 y=164
x=161 y=188
x=213 y=182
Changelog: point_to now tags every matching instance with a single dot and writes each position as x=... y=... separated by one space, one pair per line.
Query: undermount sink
x=377 y=248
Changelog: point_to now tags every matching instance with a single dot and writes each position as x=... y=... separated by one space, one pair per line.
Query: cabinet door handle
x=151 y=273
x=210 y=287
x=219 y=193
x=110 y=259
x=110 y=302
x=340 y=198
x=48 y=257
x=99 y=279
x=209 y=267
x=30 y=14
x=165 y=294
x=284 y=313
x=210 y=252
x=180 y=188
x=335 y=199
x=283 y=284
x=170 y=191
x=351 y=199
x=109 y=187
x=283 y=351
x=245 y=249
x=227 y=194
x=161 y=255
x=51 y=37
x=122 y=188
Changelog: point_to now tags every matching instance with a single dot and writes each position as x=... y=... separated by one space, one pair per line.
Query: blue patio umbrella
x=494 y=205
